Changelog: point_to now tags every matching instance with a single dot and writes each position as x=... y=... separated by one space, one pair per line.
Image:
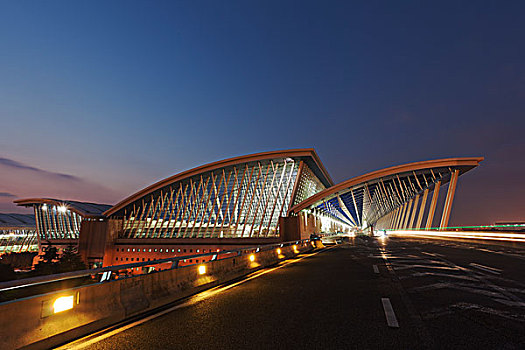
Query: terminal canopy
x=84 y=209
x=363 y=200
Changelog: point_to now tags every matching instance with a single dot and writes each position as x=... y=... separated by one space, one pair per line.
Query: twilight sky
x=99 y=99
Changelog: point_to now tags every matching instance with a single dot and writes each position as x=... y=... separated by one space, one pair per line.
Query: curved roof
x=336 y=192
x=17 y=220
x=306 y=154
x=85 y=209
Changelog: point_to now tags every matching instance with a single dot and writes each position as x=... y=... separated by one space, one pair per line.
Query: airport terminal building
x=255 y=199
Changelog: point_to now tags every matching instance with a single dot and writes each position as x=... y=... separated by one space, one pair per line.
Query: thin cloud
x=14 y=164
x=28 y=181
x=7 y=194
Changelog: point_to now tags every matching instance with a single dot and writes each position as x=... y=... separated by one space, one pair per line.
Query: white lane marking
x=451 y=309
x=427 y=274
x=486 y=268
x=85 y=341
x=510 y=302
x=391 y=319
x=433 y=254
x=428 y=267
x=376 y=270
x=458 y=286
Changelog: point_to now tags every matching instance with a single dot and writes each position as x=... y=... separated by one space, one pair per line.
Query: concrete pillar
x=408 y=213
x=433 y=203
x=422 y=209
x=450 y=198
x=414 y=210
x=401 y=217
x=394 y=217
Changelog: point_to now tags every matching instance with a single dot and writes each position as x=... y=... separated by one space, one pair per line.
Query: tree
x=6 y=272
x=48 y=263
x=70 y=260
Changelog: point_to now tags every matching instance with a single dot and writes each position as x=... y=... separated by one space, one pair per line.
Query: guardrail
x=47 y=320
x=103 y=271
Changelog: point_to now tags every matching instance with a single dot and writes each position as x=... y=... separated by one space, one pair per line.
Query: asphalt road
x=444 y=295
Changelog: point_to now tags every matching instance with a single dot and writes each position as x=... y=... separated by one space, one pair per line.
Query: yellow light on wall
x=63 y=304
x=278 y=250
x=252 y=258
x=202 y=269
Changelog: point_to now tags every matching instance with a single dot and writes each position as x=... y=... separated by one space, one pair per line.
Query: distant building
x=18 y=233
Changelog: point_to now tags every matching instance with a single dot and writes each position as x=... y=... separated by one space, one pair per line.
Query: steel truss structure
x=246 y=197
x=391 y=198
x=242 y=197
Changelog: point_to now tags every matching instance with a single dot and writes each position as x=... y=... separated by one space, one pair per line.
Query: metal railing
x=108 y=273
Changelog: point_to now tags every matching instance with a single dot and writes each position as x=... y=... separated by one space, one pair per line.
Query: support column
x=408 y=213
x=394 y=219
x=422 y=209
x=414 y=210
x=401 y=217
x=449 y=200
x=433 y=203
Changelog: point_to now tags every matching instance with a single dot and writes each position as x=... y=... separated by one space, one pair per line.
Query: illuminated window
x=128 y=249
x=133 y=249
x=178 y=250
x=150 y=250
x=197 y=250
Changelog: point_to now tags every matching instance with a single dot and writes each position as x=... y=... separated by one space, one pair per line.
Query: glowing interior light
x=278 y=250
x=252 y=257
x=44 y=207
x=202 y=269
x=62 y=209
x=63 y=304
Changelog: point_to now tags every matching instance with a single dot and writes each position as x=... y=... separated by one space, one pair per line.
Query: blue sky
x=120 y=94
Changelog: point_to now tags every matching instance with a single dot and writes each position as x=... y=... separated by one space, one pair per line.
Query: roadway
x=443 y=293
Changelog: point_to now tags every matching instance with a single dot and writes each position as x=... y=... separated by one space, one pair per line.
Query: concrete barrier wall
x=28 y=323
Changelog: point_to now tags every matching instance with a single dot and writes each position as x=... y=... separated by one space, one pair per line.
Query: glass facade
x=308 y=185
x=56 y=222
x=239 y=201
x=18 y=240
x=245 y=200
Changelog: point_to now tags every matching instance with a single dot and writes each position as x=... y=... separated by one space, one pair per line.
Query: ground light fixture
x=278 y=250
x=63 y=303
x=202 y=269
x=252 y=258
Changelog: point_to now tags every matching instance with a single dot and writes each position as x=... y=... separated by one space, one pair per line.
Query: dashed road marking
x=391 y=319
